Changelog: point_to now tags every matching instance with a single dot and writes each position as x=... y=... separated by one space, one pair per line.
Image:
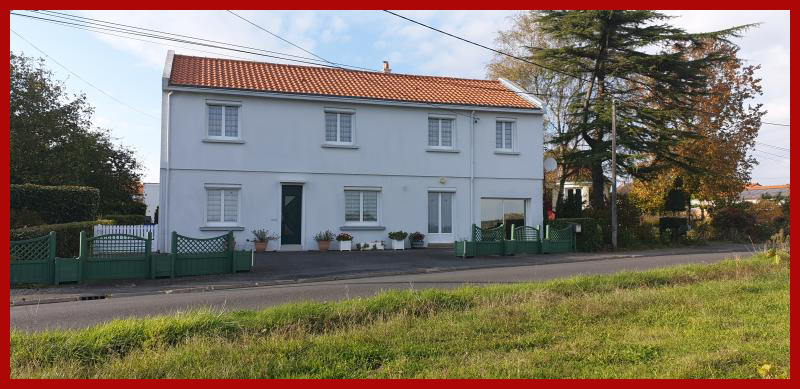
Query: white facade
x=281 y=141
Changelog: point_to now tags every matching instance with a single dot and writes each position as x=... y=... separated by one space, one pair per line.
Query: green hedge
x=53 y=204
x=127 y=219
x=591 y=236
x=67 y=235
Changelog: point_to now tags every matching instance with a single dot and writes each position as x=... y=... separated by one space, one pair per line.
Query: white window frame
x=439 y=137
x=503 y=148
x=224 y=104
x=361 y=190
x=222 y=222
x=338 y=112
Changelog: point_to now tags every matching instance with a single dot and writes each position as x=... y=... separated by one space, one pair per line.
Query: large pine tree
x=644 y=64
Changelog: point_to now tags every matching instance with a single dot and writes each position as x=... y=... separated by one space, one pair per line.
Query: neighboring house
x=298 y=150
x=150 y=198
x=579 y=186
x=754 y=193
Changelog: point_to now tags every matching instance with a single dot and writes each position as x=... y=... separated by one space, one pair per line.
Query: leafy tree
x=641 y=62
x=53 y=142
x=677 y=199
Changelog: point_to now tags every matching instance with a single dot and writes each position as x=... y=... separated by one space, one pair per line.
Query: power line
x=773 y=146
x=769 y=153
x=775 y=124
x=83 y=79
x=275 y=35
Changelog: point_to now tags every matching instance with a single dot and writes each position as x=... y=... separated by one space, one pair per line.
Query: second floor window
x=338 y=127
x=504 y=135
x=440 y=132
x=223 y=121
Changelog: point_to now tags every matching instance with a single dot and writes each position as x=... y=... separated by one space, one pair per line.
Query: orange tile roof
x=762 y=187
x=270 y=77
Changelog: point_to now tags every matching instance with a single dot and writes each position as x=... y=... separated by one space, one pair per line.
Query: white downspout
x=471 y=171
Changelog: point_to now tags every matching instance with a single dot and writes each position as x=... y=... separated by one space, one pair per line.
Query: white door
x=440 y=217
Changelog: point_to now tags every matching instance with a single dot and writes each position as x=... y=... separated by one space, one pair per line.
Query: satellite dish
x=550 y=164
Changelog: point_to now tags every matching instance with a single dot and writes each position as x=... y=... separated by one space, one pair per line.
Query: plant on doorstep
x=417 y=240
x=261 y=238
x=324 y=239
x=345 y=241
x=398 y=239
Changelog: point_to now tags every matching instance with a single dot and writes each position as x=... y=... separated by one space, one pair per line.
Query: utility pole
x=613 y=174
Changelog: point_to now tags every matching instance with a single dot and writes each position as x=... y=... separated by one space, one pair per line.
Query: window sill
x=212 y=140
x=362 y=228
x=222 y=228
x=442 y=150
x=338 y=146
x=506 y=152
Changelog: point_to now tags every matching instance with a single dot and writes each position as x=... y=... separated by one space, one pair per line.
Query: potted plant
x=261 y=238
x=398 y=239
x=324 y=239
x=417 y=240
x=345 y=241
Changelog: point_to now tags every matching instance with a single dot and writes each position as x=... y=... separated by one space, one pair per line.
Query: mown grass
x=722 y=320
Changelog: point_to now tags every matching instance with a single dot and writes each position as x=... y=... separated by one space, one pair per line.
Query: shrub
x=127 y=219
x=677 y=226
x=591 y=236
x=131 y=207
x=67 y=235
x=398 y=235
x=262 y=235
x=645 y=232
x=324 y=236
x=731 y=222
x=53 y=204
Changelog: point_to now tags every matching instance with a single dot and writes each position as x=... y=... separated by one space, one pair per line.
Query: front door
x=291 y=214
x=440 y=217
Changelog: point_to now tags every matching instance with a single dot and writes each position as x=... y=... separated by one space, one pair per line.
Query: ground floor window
x=222 y=206
x=502 y=211
x=361 y=206
x=440 y=212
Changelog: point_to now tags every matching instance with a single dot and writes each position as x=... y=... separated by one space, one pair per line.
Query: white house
x=151 y=193
x=299 y=149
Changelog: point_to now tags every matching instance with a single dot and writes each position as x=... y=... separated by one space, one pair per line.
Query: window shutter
x=370 y=206
x=231 y=206
x=352 y=206
x=213 y=205
x=232 y=121
x=214 y=120
x=433 y=132
x=345 y=127
x=330 y=127
x=447 y=132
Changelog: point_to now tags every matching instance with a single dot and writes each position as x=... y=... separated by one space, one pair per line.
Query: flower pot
x=398 y=244
x=345 y=245
x=261 y=246
x=417 y=244
x=324 y=245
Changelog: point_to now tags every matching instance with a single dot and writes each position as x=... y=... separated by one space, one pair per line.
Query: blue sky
x=130 y=71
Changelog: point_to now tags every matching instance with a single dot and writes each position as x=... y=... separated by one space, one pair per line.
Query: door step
x=440 y=245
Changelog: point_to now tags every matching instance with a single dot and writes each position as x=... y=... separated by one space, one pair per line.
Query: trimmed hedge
x=127 y=219
x=678 y=226
x=67 y=235
x=54 y=204
x=591 y=236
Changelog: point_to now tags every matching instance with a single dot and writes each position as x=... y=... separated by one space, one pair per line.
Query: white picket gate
x=140 y=230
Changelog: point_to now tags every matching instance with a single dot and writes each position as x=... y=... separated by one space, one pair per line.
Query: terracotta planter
x=324 y=245
x=261 y=246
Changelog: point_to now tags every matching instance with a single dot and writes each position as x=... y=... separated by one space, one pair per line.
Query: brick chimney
x=386 y=68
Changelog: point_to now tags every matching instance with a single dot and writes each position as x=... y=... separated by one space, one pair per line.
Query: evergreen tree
x=644 y=64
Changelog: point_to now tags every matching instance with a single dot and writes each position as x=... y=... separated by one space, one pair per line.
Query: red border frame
x=363 y=4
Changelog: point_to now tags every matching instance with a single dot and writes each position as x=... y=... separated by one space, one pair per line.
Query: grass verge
x=724 y=320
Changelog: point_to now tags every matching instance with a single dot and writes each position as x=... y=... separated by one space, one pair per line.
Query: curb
x=309 y=280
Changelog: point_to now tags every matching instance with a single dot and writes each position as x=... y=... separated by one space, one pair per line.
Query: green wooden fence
x=123 y=256
x=524 y=240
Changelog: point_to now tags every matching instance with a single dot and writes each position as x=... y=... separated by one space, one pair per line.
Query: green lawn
x=723 y=320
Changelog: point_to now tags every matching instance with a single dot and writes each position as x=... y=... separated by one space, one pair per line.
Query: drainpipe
x=471 y=168
x=164 y=222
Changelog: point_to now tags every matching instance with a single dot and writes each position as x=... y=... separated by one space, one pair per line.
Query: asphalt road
x=79 y=314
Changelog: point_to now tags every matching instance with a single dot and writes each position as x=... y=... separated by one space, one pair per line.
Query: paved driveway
x=293 y=267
